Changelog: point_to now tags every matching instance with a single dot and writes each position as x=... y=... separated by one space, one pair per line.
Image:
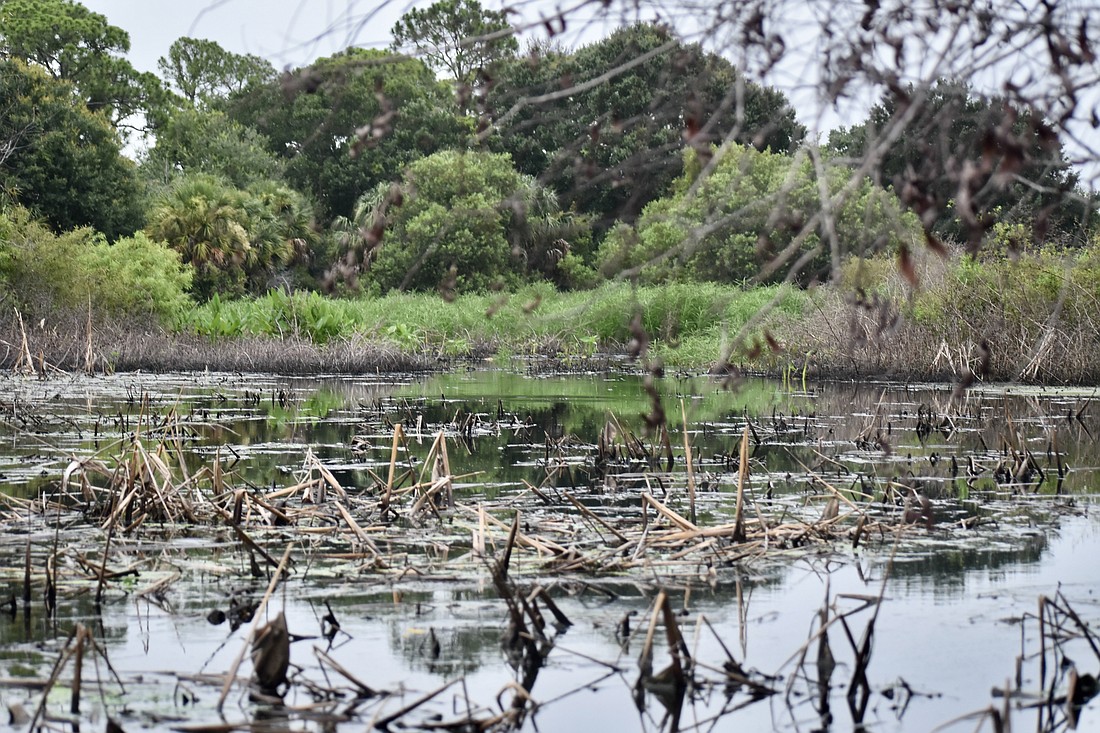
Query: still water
x=1009 y=474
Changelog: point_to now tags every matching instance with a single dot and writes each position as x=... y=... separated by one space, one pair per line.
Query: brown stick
x=589 y=513
x=78 y=669
x=393 y=468
x=383 y=723
x=669 y=514
x=742 y=479
x=690 y=464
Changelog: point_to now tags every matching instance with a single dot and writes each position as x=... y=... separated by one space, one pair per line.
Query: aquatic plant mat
x=697 y=556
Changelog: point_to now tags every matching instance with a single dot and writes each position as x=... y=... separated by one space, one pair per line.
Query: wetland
x=494 y=550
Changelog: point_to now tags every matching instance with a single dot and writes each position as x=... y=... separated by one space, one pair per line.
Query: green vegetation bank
x=637 y=196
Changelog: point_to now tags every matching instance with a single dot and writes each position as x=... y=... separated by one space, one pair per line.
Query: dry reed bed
x=415 y=521
x=411 y=519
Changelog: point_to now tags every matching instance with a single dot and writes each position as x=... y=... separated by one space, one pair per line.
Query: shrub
x=745 y=221
x=48 y=274
x=468 y=222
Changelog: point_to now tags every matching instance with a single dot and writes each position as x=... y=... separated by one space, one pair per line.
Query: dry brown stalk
x=314 y=464
x=364 y=690
x=689 y=463
x=257 y=620
x=591 y=515
x=383 y=723
x=360 y=535
x=742 y=480
x=397 y=434
x=669 y=514
x=25 y=363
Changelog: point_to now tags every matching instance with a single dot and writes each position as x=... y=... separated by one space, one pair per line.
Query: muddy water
x=960 y=590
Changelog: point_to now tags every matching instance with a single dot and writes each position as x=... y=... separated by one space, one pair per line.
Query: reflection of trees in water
x=447 y=651
x=29 y=636
x=945 y=568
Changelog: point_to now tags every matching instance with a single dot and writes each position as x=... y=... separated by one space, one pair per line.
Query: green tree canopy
x=464 y=221
x=234 y=239
x=458 y=38
x=74 y=44
x=606 y=126
x=202 y=71
x=208 y=141
x=966 y=161
x=757 y=216
x=349 y=121
x=61 y=160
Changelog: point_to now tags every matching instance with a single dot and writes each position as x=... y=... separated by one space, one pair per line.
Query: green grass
x=686 y=323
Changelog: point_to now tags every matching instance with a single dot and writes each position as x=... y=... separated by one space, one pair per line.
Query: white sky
x=289 y=33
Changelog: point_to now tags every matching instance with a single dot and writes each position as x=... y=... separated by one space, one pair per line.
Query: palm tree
x=205 y=220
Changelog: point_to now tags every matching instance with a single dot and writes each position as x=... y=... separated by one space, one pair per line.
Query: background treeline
x=481 y=167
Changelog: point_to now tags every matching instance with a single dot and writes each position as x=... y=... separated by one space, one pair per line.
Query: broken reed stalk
x=742 y=479
x=690 y=464
x=78 y=669
x=62 y=658
x=25 y=363
x=397 y=433
x=669 y=514
x=257 y=617
x=101 y=581
x=645 y=659
x=356 y=530
x=440 y=464
x=594 y=517
x=365 y=690
x=27 y=576
x=383 y=723
x=506 y=560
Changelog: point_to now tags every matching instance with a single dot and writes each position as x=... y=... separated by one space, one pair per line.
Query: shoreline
x=127 y=350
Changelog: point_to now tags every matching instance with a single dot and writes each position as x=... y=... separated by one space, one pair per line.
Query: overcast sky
x=289 y=33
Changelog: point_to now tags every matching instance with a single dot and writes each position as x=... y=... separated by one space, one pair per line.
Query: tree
x=203 y=71
x=349 y=121
x=756 y=216
x=609 y=123
x=64 y=162
x=234 y=239
x=76 y=45
x=463 y=221
x=966 y=161
x=208 y=141
x=459 y=38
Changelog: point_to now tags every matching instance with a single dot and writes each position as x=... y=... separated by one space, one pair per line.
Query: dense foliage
x=466 y=221
x=967 y=161
x=458 y=38
x=348 y=122
x=47 y=275
x=203 y=72
x=755 y=216
x=60 y=159
x=612 y=147
x=466 y=168
x=71 y=43
x=235 y=239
